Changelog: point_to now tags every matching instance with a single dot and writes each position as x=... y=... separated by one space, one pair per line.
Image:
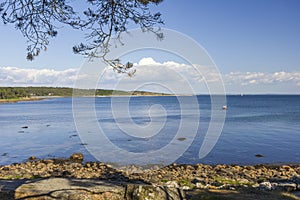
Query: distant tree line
x=23 y=92
x=26 y=92
x=12 y=93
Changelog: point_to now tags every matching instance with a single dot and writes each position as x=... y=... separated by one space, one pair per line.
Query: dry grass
x=20 y=100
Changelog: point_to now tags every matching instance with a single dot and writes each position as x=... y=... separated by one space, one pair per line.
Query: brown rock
x=76 y=157
x=32 y=158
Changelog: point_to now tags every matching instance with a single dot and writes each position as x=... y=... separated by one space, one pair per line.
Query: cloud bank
x=13 y=76
x=247 y=78
x=165 y=76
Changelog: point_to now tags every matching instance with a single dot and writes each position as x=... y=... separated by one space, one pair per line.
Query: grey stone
x=172 y=184
x=81 y=189
x=185 y=187
x=142 y=192
x=200 y=185
x=286 y=186
x=265 y=186
x=296 y=179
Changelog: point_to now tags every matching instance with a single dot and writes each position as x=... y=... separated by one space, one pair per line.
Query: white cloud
x=151 y=75
x=246 y=78
x=160 y=76
x=147 y=61
x=13 y=76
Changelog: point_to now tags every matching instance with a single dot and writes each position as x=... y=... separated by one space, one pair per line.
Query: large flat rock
x=81 y=189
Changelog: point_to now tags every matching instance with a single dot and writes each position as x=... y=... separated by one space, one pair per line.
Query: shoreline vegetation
x=17 y=94
x=14 y=100
x=197 y=181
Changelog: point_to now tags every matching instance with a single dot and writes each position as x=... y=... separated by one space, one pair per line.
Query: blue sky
x=242 y=35
x=260 y=37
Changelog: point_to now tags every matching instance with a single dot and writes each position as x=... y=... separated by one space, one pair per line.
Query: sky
x=254 y=44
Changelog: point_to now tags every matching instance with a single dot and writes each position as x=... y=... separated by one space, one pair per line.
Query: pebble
x=200 y=185
x=186 y=187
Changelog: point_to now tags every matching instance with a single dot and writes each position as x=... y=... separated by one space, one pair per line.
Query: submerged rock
x=259 y=156
x=181 y=139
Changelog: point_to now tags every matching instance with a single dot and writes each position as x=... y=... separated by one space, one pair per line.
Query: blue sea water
x=255 y=124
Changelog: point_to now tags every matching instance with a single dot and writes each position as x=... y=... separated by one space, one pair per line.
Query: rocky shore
x=186 y=178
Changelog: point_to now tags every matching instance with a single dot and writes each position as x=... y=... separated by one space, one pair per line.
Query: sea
x=254 y=129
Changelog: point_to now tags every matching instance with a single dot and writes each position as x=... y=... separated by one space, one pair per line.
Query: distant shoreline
x=22 y=99
x=52 y=97
x=16 y=94
x=38 y=98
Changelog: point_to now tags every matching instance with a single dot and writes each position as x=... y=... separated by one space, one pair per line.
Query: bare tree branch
x=102 y=21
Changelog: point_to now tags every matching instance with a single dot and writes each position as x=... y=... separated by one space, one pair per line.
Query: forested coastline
x=29 y=92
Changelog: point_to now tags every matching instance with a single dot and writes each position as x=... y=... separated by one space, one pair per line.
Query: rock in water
x=259 y=156
x=32 y=158
x=181 y=139
x=76 y=157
